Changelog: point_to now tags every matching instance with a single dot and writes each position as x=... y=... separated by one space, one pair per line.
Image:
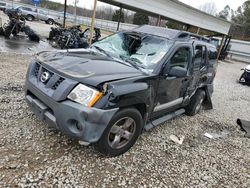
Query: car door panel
x=172 y=89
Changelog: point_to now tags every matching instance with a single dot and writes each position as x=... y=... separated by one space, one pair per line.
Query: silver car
x=36 y=14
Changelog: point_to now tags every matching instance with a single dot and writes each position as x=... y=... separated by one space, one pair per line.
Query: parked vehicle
x=130 y=81
x=3 y=6
x=245 y=77
x=16 y=24
x=36 y=14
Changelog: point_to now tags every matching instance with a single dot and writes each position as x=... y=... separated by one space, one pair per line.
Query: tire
x=1 y=31
x=7 y=32
x=30 y=18
x=195 y=104
x=50 y=22
x=119 y=137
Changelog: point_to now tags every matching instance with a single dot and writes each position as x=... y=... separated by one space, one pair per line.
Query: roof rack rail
x=187 y=35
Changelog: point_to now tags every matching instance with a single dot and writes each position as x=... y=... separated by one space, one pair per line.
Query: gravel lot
x=31 y=155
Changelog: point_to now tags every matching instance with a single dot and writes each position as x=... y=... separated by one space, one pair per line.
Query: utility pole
x=64 y=16
x=119 y=19
x=76 y=2
x=92 y=22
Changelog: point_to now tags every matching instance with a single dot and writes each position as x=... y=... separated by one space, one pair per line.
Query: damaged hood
x=86 y=66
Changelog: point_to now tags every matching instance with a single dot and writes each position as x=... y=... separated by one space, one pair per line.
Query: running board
x=163 y=119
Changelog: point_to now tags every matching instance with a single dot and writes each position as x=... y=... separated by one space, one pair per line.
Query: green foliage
x=51 y=5
x=225 y=13
x=174 y=25
x=116 y=16
x=241 y=22
x=140 y=19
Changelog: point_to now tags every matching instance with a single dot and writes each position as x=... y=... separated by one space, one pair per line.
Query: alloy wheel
x=121 y=133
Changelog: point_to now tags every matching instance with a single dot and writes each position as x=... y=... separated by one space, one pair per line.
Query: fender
x=125 y=93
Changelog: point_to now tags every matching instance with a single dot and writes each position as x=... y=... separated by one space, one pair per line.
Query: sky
x=220 y=4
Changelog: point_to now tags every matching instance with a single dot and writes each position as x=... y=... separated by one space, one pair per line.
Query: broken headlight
x=85 y=95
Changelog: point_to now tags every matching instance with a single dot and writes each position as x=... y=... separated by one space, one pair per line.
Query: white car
x=3 y=6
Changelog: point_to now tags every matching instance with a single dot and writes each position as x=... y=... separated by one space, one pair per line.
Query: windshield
x=143 y=50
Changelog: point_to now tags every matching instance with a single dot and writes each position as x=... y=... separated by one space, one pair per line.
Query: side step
x=163 y=119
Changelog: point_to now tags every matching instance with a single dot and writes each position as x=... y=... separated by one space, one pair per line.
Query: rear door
x=42 y=15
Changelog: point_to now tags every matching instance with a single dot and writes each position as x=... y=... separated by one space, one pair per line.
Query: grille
x=58 y=82
x=37 y=68
x=40 y=70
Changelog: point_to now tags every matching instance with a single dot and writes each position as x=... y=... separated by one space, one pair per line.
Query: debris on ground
x=245 y=126
x=177 y=140
x=221 y=134
x=73 y=37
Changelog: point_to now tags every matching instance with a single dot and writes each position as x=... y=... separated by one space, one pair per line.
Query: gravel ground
x=31 y=155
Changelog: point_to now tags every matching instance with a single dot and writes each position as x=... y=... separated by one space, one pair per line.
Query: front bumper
x=73 y=119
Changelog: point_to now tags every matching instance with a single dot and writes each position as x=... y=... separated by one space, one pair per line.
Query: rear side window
x=200 y=56
x=181 y=58
x=212 y=54
x=27 y=9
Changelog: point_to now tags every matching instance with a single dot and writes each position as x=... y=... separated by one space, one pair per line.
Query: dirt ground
x=31 y=155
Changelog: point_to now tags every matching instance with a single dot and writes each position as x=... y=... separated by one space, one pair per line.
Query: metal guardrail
x=102 y=24
x=240 y=50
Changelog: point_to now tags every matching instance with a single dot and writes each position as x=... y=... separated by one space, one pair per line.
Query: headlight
x=85 y=95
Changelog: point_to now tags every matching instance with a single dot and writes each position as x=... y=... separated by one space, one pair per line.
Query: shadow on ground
x=21 y=44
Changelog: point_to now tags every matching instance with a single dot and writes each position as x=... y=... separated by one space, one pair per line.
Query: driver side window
x=181 y=58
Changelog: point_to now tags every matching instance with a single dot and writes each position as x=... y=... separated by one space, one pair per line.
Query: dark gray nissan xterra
x=130 y=81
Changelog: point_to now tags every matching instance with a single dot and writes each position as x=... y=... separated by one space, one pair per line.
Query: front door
x=171 y=88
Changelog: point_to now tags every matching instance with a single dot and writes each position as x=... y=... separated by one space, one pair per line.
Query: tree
x=209 y=7
x=174 y=25
x=225 y=13
x=241 y=22
x=140 y=19
x=116 y=16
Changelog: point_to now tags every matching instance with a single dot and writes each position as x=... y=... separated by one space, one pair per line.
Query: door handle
x=170 y=78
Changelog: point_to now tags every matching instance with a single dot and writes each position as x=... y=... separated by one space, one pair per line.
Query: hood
x=86 y=66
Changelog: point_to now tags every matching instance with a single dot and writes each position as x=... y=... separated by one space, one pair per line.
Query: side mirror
x=177 y=72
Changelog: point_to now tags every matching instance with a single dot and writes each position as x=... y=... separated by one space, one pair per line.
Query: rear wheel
x=50 y=21
x=121 y=133
x=195 y=104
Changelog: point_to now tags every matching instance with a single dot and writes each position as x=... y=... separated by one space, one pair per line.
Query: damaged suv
x=133 y=80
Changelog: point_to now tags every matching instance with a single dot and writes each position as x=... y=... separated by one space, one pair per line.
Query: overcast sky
x=220 y=4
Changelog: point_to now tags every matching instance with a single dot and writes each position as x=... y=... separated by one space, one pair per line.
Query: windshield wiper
x=103 y=51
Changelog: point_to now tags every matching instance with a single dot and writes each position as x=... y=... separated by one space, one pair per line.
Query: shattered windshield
x=140 y=50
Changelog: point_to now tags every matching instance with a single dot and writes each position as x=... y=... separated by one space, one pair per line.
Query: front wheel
x=121 y=133
x=196 y=102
